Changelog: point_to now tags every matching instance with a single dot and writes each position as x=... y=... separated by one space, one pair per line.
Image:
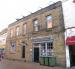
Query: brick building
x=38 y=34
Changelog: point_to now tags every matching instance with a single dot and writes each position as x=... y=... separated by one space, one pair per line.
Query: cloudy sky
x=10 y=10
x=69 y=16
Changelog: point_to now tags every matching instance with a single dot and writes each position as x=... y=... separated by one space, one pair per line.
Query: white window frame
x=46 y=53
x=13 y=47
x=36 y=25
x=17 y=30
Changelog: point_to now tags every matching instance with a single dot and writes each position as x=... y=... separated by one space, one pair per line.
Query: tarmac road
x=9 y=64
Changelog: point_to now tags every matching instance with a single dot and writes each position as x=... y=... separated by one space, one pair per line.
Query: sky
x=10 y=10
x=69 y=16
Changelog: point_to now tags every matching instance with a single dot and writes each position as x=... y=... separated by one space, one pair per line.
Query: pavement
x=9 y=64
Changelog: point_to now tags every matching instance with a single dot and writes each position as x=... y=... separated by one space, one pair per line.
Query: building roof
x=50 y=7
x=3 y=31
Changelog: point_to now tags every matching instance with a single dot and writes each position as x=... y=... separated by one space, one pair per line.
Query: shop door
x=23 y=51
x=72 y=55
x=36 y=54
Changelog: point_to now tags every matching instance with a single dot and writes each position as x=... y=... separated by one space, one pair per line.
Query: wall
x=57 y=33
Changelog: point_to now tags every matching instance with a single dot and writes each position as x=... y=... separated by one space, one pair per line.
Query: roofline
x=50 y=7
x=3 y=31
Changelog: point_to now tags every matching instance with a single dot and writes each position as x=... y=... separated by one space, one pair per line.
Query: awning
x=70 y=41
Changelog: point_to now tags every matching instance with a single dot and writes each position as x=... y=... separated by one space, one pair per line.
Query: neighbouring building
x=3 y=36
x=38 y=34
x=69 y=20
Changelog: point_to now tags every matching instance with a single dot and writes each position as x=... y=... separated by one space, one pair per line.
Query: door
x=36 y=54
x=72 y=55
x=23 y=51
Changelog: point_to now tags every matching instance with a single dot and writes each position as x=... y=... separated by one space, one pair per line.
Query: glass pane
x=25 y=28
x=43 y=49
x=50 y=49
x=36 y=25
x=17 y=31
x=49 y=24
x=48 y=45
x=49 y=21
x=35 y=22
x=13 y=47
x=36 y=28
x=49 y=18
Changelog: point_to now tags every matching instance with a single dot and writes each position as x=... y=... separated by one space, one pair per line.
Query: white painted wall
x=69 y=20
x=69 y=16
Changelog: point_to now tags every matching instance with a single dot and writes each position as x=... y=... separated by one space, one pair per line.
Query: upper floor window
x=17 y=31
x=36 y=25
x=11 y=33
x=25 y=28
x=49 y=21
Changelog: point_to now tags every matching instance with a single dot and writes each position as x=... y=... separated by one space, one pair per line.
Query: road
x=9 y=64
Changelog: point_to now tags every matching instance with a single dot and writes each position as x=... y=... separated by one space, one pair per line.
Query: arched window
x=49 y=21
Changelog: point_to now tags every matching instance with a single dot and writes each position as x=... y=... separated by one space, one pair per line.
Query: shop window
x=36 y=25
x=49 y=49
x=46 y=49
x=43 y=49
x=49 y=22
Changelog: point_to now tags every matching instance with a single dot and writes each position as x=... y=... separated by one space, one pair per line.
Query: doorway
x=23 y=51
x=36 y=54
x=72 y=55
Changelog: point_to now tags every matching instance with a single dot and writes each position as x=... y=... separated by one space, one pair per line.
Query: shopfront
x=42 y=48
x=70 y=43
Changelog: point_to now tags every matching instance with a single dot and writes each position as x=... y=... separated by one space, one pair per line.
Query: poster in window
x=13 y=47
x=49 y=25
